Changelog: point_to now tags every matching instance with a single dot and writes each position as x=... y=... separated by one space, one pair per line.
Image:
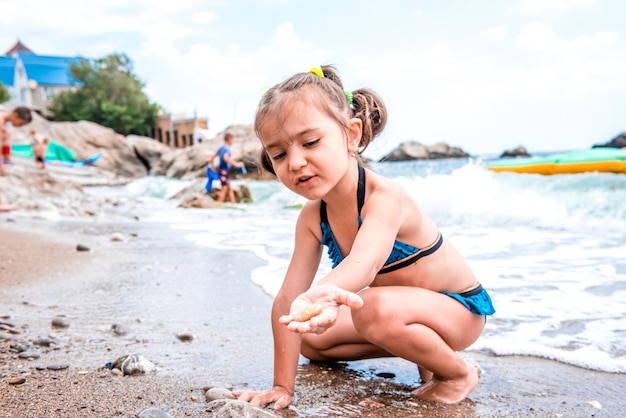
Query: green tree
x=110 y=95
x=4 y=94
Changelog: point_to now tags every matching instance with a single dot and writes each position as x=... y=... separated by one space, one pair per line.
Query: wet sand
x=157 y=285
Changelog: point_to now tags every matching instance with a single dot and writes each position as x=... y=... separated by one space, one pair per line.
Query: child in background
x=397 y=287
x=19 y=116
x=39 y=146
x=223 y=169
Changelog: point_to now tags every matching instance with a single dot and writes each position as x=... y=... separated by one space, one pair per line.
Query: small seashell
x=308 y=312
x=132 y=364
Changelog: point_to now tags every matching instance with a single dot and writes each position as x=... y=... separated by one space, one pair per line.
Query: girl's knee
x=312 y=349
x=375 y=312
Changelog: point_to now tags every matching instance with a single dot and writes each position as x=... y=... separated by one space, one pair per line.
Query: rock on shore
x=618 y=142
x=515 y=152
x=413 y=150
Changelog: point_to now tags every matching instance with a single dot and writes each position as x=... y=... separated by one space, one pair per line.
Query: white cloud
x=496 y=32
x=204 y=17
x=538 y=37
x=546 y=6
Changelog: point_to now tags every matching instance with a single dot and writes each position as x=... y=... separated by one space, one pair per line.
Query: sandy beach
x=158 y=286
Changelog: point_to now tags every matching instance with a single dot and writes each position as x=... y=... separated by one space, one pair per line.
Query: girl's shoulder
x=310 y=212
x=384 y=187
x=388 y=196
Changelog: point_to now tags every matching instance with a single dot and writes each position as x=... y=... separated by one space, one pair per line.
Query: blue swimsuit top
x=402 y=254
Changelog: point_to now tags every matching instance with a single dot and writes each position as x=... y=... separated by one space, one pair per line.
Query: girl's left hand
x=330 y=298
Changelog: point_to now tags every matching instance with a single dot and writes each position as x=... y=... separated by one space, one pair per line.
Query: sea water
x=549 y=249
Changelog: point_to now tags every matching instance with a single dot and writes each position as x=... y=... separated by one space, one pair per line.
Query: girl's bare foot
x=448 y=391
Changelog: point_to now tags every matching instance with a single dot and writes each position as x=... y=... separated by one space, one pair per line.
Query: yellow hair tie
x=317 y=71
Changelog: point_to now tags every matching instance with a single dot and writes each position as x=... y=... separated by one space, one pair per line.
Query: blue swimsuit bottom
x=477 y=300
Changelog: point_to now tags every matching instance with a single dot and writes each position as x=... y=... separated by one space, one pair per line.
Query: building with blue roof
x=34 y=80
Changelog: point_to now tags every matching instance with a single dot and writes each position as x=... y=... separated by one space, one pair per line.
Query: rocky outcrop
x=412 y=150
x=515 y=152
x=59 y=188
x=184 y=163
x=618 y=142
x=54 y=191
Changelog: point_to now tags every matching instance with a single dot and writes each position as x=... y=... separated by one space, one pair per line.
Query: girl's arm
x=382 y=216
x=300 y=274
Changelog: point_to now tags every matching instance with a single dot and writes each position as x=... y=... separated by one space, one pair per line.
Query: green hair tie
x=349 y=96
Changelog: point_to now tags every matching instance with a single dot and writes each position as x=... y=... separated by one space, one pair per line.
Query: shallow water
x=549 y=249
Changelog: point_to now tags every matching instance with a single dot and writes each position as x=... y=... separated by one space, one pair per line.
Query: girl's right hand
x=330 y=298
x=278 y=395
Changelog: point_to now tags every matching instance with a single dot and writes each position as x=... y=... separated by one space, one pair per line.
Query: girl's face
x=309 y=150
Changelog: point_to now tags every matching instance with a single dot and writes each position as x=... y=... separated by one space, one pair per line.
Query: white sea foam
x=548 y=249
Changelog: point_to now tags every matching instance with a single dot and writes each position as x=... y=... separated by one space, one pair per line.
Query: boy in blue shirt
x=225 y=162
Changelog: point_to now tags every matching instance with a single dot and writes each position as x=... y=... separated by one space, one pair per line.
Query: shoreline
x=158 y=284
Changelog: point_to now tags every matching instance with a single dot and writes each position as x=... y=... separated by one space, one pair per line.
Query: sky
x=482 y=75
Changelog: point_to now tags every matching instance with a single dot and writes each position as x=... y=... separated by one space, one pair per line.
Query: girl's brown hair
x=328 y=94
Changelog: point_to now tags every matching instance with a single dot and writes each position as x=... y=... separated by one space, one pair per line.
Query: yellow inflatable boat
x=602 y=160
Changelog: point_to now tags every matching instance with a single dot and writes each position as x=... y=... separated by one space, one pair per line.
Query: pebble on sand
x=60 y=322
x=153 y=413
x=17 y=380
x=218 y=393
x=119 y=330
x=185 y=336
x=117 y=236
x=58 y=366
